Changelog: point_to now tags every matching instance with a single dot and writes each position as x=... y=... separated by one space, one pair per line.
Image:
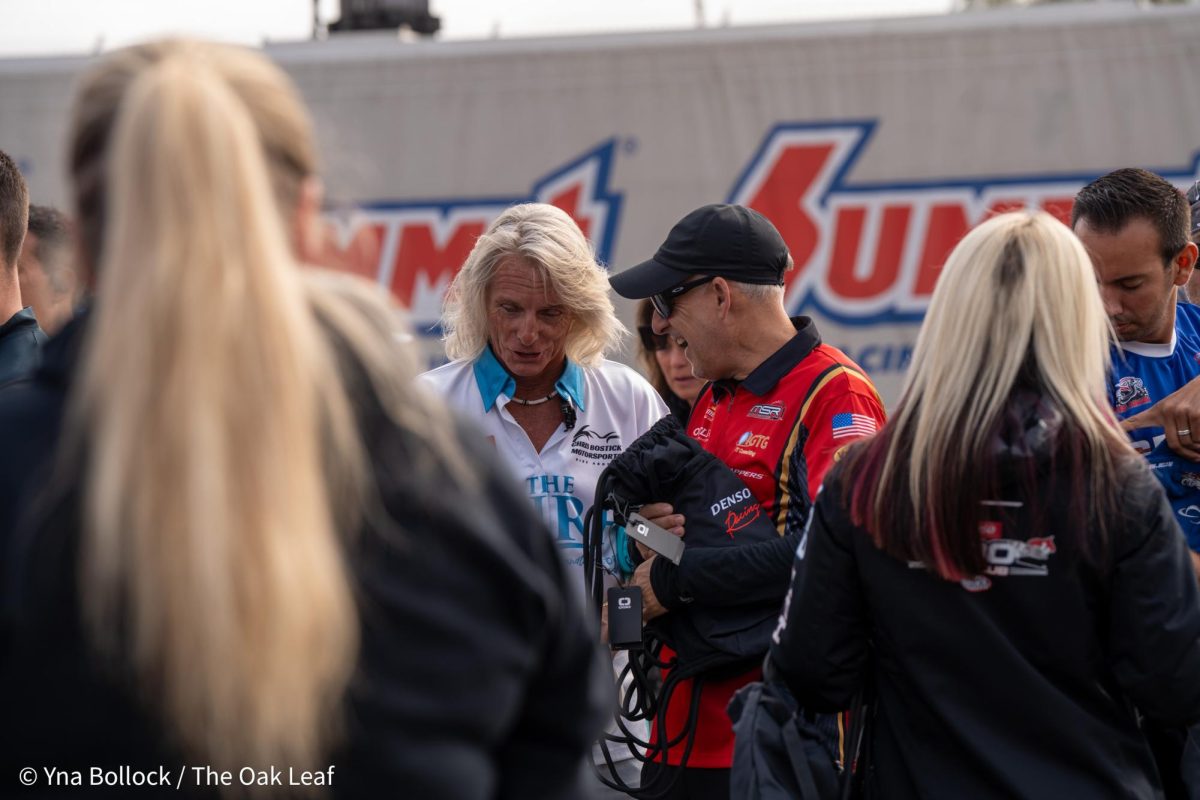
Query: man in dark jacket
x=20 y=337
x=780 y=406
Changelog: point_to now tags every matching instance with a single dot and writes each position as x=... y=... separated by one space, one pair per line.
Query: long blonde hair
x=1016 y=307
x=546 y=236
x=221 y=454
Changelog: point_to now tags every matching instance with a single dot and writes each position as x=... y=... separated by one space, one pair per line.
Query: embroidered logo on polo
x=595 y=448
x=748 y=444
x=1191 y=480
x=1131 y=393
x=752 y=475
x=768 y=411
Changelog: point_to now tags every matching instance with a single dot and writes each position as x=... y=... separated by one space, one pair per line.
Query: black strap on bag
x=856 y=763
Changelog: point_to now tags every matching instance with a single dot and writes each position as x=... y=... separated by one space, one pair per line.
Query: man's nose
x=1111 y=300
x=658 y=324
x=527 y=328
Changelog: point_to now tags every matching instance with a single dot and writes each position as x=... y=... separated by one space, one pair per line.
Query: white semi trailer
x=872 y=145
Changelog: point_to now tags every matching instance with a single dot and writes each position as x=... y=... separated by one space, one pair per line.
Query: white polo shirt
x=613 y=405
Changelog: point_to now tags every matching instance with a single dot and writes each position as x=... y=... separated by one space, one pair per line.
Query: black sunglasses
x=663 y=300
x=653 y=342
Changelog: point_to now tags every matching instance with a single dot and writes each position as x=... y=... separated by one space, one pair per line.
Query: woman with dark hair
x=998 y=564
x=665 y=365
x=234 y=534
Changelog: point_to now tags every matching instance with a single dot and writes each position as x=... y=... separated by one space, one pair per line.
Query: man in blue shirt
x=1135 y=226
x=20 y=337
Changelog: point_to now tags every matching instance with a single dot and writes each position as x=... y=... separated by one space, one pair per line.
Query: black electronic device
x=625 y=618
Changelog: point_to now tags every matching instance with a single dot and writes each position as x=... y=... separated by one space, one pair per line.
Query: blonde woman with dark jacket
x=998 y=564
x=234 y=534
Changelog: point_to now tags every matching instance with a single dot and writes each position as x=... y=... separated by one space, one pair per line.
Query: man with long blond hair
x=528 y=321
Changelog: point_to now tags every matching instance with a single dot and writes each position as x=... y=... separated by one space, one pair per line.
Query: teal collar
x=493 y=380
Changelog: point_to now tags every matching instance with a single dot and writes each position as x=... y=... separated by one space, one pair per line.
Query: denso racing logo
x=421 y=244
x=870 y=253
x=729 y=502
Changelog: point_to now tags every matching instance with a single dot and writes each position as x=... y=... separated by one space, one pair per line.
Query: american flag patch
x=852 y=425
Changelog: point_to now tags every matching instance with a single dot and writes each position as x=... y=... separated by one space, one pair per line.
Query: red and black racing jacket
x=779 y=430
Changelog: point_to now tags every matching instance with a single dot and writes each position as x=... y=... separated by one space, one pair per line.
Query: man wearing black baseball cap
x=778 y=407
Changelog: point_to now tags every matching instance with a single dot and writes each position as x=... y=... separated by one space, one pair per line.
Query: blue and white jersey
x=1142 y=374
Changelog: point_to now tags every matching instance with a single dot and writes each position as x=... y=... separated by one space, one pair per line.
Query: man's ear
x=308 y=226
x=723 y=293
x=1184 y=262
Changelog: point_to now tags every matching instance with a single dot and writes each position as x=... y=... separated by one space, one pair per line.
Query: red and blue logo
x=869 y=253
x=415 y=247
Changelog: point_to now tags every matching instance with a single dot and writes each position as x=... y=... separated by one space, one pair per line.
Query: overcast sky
x=51 y=27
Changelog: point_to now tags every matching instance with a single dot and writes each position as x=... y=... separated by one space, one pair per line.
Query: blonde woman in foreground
x=998 y=563
x=234 y=535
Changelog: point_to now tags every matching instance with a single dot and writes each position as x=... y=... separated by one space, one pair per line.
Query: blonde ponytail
x=208 y=418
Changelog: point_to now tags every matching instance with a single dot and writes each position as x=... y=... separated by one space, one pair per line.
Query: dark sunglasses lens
x=660 y=305
x=652 y=341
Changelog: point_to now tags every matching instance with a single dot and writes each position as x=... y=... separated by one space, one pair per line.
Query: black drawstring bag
x=710 y=641
x=782 y=752
x=666 y=465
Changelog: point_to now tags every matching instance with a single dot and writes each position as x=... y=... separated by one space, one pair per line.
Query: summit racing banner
x=419 y=245
x=870 y=253
x=872 y=144
x=865 y=253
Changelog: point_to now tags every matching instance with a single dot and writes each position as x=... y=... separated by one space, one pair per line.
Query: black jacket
x=1015 y=685
x=21 y=341
x=477 y=676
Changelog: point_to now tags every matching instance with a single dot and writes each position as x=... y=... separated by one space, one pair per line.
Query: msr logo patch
x=770 y=411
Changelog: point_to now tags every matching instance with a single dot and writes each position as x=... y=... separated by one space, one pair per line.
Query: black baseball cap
x=729 y=241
